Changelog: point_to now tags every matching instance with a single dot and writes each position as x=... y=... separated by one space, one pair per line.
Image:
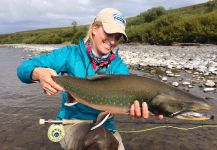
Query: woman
x=95 y=55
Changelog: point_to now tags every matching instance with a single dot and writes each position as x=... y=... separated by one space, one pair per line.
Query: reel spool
x=56 y=132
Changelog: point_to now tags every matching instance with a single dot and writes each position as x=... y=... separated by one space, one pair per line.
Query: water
x=22 y=105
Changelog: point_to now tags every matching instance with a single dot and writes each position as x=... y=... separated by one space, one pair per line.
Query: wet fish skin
x=115 y=94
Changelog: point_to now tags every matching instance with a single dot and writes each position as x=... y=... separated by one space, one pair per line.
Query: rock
x=177 y=75
x=190 y=86
x=171 y=75
x=210 y=83
x=179 y=67
x=175 y=84
x=206 y=74
x=169 y=72
x=170 y=66
x=186 y=83
x=181 y=79
x=188 y=71
x=196 y=73
x=208 y=89
x=164 y=78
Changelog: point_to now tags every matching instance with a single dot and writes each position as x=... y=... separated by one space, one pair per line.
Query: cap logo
x=120 y=18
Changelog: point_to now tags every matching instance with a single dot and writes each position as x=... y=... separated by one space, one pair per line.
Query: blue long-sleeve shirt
x=74 y=61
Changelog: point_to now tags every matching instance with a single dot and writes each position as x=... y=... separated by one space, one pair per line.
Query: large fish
x=115 y=93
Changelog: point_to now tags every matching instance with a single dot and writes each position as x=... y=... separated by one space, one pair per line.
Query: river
x=22 y=105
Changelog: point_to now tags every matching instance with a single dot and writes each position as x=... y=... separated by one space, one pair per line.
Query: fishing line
x=168 y=126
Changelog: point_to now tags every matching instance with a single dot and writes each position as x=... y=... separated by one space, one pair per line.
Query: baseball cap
x=112 y=21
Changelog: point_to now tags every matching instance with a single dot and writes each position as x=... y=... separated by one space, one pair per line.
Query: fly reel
x=56 y=132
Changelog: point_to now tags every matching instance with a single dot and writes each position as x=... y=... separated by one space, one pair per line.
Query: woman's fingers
x=137 y=109
x=50 y=86
x=50 y=81
x=132 y=110
x=52 y=72
x=145 y=112
x=55 y=86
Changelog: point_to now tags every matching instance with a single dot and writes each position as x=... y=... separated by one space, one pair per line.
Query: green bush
x=152 y=14
x=77 y=36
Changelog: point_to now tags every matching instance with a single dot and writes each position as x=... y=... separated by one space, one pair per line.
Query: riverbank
x=200 y=58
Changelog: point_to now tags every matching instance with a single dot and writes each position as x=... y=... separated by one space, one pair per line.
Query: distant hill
x=192 y=24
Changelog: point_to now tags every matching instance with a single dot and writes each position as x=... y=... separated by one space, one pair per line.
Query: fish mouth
x=194 y=112
x=192 y=115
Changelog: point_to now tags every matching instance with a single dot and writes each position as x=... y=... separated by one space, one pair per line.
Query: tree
x=74 y=26
x=212 y=4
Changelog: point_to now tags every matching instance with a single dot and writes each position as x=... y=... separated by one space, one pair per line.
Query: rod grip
x=67 y=122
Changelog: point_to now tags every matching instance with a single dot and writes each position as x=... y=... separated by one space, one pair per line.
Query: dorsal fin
x=98 y=77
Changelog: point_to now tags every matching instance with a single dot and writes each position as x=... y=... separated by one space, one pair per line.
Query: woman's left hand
x=137 y=111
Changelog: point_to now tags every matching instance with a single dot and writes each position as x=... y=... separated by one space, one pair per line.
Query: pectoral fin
x=101 y=119
x=71 y=100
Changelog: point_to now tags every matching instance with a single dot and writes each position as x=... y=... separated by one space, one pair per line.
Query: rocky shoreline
x=200 y=58
x=163 y=61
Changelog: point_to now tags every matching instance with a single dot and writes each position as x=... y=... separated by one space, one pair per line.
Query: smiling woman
x=106 y=30
x=96 y=54
x=103 y=42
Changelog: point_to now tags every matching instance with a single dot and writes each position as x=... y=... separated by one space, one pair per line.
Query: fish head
x=186 y=107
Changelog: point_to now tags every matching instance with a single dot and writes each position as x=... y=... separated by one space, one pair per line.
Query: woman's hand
x=137 y=111
x=44 y=76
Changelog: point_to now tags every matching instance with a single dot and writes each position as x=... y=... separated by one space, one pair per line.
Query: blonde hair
x=89 y=35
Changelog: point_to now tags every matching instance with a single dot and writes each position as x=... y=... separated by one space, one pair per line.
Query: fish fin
x=70 y=104
x=158 y=103
x=101 y=119
x=71 y=98
x=98 y=77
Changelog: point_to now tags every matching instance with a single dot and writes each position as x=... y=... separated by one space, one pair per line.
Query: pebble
x=171 y=75
x=175 y=84
x=210 y=83
x=206 y=74
x=169 y=72
x=186 y=83
x=164 y=78
x=177 y=75
x=208 y=89
x=190 y=86
x=196 y=73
